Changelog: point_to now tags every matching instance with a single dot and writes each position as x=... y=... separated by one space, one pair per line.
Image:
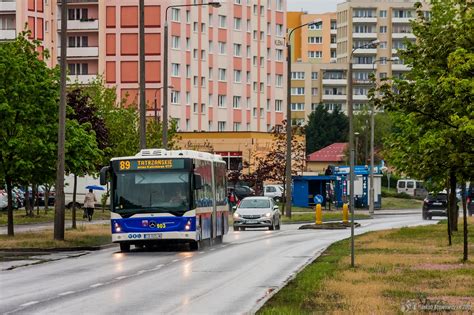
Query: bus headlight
x=117 y=227
x=187 y=227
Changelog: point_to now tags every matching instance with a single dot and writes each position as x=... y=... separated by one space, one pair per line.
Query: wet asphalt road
x=235 y=277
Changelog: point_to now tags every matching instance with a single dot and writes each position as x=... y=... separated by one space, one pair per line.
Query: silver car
x=257 y=212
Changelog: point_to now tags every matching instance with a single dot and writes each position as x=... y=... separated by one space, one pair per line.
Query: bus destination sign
x=149 y=164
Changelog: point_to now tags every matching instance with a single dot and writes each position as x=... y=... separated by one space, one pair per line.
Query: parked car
x=3 y=199
x=257 y=212
x=17 y=196
x=435 y=204
x=273 y=191
x=243 y=191
x=411 y=187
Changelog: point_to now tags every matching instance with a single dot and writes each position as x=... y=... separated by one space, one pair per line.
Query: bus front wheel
x=124 y=247
x=194 y=245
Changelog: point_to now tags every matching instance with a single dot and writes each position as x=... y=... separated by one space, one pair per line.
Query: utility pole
x=142 y=77
x=59 y=186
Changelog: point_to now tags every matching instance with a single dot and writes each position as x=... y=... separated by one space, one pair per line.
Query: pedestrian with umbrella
x=89 y=202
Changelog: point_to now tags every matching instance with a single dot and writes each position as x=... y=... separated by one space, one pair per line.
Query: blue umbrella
x=95 y=187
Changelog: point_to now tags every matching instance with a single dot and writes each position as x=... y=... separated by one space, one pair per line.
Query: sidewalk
x=21 y=228
x=377 y=212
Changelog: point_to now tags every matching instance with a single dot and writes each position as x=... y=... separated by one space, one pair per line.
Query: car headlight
x=268 y=214
x=236 y=215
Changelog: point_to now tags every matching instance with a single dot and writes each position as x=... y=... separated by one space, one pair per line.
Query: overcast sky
x=313 y=6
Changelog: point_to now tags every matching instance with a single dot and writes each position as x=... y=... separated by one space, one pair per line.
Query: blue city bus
x=160 y=196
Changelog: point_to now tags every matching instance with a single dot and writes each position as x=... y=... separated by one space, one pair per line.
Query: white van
x=411 y=187
x=273 y=191
x=81 y=191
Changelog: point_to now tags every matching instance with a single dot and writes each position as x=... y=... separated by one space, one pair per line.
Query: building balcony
x=78 y=25
x=366 y=51
x=358 y=97
x=364 y=20
x=81 y=78
x=334 y=81
x=399 y=67
x=334 y=32
x=333 y=45
x=365 y=35
x=82 y=52
x=401 y=20
x=337 y=97
x=403 y=35
x=333 y=60
x=7 y=34
x=8 y=6
x=363 y=66
x=358 y=81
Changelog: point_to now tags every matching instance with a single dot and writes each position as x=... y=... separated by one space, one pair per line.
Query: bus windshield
x=151 y=192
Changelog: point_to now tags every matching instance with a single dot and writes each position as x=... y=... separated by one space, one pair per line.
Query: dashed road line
x=29 y=303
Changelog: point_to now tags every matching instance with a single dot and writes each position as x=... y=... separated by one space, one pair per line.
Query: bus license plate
x=251 y=222
x=152 y=236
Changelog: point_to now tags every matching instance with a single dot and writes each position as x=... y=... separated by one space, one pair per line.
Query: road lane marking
x=66 y=293
x=96 y=285
x=140 y=272
x=176 y=260
x=29 y=303
x=121 y=278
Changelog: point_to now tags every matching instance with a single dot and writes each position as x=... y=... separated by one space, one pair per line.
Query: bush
x=396 y=195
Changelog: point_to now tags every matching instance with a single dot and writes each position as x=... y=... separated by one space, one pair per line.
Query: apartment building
x=359 y=22
x=226 y=65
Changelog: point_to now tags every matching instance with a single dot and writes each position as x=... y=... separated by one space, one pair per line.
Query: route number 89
x=124 y=165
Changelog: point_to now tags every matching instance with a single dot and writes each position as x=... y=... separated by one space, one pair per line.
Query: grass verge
x=396 y=270
x=391 y=203
x=84 y=235
x=20 y=217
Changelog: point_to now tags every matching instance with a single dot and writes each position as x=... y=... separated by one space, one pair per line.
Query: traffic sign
x=318 y=199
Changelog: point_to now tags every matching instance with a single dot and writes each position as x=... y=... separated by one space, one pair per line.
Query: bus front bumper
x=152 y=236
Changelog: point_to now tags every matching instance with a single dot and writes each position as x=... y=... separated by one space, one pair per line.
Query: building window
x=211 y=70
x=237 y=76
x=314 y=75
x=195 y=107
x=175 y=97
x=175 y=70
x=314 y=91
x=221 y=74
x=297 y=91
x=175 y=15
x=279 y=5
x=237 y=50
x=188 y=16
x=195 y=53
x=383 y=29
x=383 y=13
x=297 y=106
x=195 y=27
x=188 y=71
x=315 y=40
x=317 y=26
x=222 y=21
x=188 y=98
x=221 y=48
x=248 y=76
x=237 y=24
x=279 y=54
x=279 y=80
x=221 y=101
x=298 y=75
x=278 y=105
x=237 y=126
x=315 y=54
x=279 y=30
x=221 y=126
x=188 y=43
x=236 y=102
x=175 y=42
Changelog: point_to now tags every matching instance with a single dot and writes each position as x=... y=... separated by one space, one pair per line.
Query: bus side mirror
x=103 y=175
x=197 y=181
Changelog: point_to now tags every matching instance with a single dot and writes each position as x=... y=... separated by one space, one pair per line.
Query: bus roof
x=162 y=153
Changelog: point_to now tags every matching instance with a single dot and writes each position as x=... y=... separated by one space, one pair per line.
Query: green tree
x=28 y=102
x=434 y=109
x=325 y=128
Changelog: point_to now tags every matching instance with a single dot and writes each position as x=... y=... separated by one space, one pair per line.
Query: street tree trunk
x=448 y=214
x=34 y=192
x=74 y=190
x=452 y=208
x=10 y=205
x=464 y=217
x=47 y=190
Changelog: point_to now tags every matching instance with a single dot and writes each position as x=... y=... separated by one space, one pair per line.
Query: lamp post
x=214 y=4
x=351 y=141
x=156 y=102
x=288 y=119
x=372 y=137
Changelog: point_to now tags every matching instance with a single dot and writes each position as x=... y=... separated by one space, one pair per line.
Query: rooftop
x=332 y=153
